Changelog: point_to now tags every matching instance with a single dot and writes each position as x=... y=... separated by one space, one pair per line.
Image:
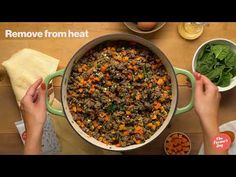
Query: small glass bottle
x=191 y=30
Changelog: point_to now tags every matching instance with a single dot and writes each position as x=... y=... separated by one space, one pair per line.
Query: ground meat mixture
x=119 y=92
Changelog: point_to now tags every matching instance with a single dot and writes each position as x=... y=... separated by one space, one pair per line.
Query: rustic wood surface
x=178 y=50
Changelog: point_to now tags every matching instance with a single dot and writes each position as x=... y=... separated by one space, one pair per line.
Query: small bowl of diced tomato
x=177 y=143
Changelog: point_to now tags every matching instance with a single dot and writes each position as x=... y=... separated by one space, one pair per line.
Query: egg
x=146 y=26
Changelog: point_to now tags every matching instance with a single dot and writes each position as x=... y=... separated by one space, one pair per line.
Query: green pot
x=65 y=73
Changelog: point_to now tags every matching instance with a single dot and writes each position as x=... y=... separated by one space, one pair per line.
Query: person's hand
x=207 y=99
x=206 y=102
x=33 y=110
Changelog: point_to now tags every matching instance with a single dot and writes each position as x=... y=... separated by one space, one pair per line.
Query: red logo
x=24 y=135
x=221 y=142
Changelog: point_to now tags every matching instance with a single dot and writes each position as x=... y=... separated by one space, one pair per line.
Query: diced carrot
x=113 y=49
x=125 y=59
x=107 y=118
x=74 y=108
x=95 y=124
x=129 y=76
x=107 y=76
x=165 y=95
x=160 y=82
x=79 y=109
x=154 y=127
x=96 y=79
x=104 y=68
x=80 y=90
x=84 y=67
x=154 y=66
x=175 y=135
x=92 y=89
x=179 y=148
x=158 y=123
x=156 y=105
x=138 y=58
x=137 y=141
x=130 y=67
x=124 y=52
x=81 y=124
x=80 y=70
x=154 y=116
x=149 y=125
x=126 y=133
x=135 y=68
x=133 y=62
x=82 y=81
x=138 y=96
x=138 y=129
x=128 y=113
x=122 y=127
x=141 y=76
x=164 y=78
x=104 y=141
x=149 y=85
x=109 y=83
x=167 y=87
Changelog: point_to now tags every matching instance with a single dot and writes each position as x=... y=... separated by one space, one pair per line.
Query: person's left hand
x=33 y=108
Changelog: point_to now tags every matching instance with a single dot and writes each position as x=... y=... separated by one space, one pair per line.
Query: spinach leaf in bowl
x=225 y=80
x=215 y=73
x=220 y=51
x=233 y=71
x=230 y=59
x=218 y=63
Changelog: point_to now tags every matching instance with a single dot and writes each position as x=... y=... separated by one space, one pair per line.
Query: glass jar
x=191 y=30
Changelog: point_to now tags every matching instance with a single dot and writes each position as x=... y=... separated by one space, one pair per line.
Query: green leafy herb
x=225 y=80
x=220 y=51
x=230 y=60
x=218 y=63
x=111 y=108
x=145 y=71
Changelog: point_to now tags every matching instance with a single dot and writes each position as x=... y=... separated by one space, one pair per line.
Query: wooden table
x=178 y=50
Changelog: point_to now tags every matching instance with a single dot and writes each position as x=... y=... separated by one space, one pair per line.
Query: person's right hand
x=207 y=99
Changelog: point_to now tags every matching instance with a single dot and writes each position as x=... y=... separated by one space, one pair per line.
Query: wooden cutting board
x=178 y=50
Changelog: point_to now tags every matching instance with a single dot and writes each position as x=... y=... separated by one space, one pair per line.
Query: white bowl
x=217 y=41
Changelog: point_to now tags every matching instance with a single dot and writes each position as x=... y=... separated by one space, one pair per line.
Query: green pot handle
x=47 y=80
x=189 y=106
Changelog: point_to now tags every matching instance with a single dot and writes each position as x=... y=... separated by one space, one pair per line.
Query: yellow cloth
x=25 y=67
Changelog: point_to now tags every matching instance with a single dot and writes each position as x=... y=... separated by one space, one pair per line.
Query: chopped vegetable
x=119 y=93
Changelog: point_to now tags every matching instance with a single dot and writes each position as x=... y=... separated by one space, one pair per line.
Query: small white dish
x=216 y=41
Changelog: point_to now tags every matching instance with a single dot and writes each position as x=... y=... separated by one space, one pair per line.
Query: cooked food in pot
x=119 y=93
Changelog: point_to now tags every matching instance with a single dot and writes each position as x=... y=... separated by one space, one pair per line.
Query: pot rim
x=135 y=38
